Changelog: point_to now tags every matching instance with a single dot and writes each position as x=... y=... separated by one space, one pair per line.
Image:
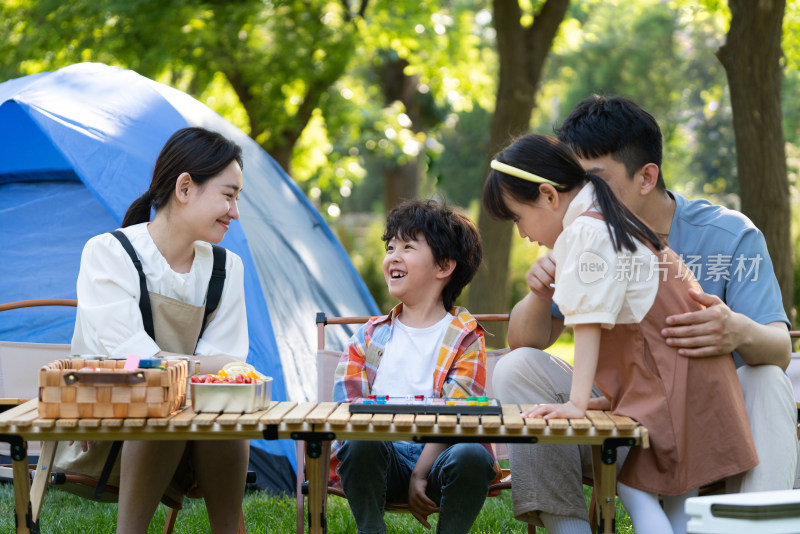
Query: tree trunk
x=522 y=52
x=401 y=181
x=282 y=155
x=751 y=56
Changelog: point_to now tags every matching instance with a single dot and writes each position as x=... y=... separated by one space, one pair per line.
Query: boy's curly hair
x=450 y=234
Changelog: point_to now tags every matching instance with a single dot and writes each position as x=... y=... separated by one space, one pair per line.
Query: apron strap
x=215 y=285
x=144 y=296
x=213 y=294
x=106 y=472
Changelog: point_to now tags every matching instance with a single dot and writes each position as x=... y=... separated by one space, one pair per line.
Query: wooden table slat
x=491 y=421
x=532 y=423
x=447 y=421
x=275 y=415
x=382 y=420
x=360 y=419
x=404 y=420
x=512 y=419
x=425 y=420
x=557 y=424
x=111 y=423
x=535 y=423
x=66 y=423
x=89 y=423
x=162 y=421
x=298 y=414
x=340 y=415
x=17 y=411
x=600 y=420
x=183 y=418
x=228 y=419
x=252 y=418
x=469 y=421
x=580 y=424
x=24 y=419
x=134 y=422
x=205 y=419
x=320 y=414
x=44 y=423
x=622 y=422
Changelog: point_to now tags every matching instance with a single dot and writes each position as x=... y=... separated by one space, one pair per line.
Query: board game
x=418 y=404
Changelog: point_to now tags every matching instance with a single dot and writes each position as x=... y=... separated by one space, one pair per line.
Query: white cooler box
x=767 y=512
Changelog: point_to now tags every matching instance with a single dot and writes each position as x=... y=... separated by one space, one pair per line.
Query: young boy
x=424 y=346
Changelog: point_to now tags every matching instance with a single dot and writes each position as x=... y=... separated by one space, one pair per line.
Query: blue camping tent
x=78 y=145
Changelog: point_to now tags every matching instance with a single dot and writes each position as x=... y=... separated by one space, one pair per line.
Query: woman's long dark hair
x=551 y=159
x=200 y=152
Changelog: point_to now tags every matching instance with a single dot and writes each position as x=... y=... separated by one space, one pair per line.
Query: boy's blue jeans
x=374 y=472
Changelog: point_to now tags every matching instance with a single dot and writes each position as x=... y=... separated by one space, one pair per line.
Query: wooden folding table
x=316 y=424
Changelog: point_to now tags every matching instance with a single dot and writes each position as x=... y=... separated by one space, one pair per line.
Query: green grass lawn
x=64 y=513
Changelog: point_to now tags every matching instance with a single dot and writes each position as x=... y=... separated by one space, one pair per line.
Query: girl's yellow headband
x=519 y=173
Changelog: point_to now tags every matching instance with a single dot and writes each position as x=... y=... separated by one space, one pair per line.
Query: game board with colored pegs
x=419 y=404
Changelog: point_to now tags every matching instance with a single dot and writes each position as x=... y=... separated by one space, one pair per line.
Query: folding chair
x=23 y=361
x=19 y=371
x=326 y=366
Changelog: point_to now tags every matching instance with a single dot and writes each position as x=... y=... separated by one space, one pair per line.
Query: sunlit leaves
x=277 y=68
x=444 y=46
x=663 y=56
x=791 y=34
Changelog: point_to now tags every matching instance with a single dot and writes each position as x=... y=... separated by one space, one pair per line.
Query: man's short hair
x=450 y=234
x=615 y=126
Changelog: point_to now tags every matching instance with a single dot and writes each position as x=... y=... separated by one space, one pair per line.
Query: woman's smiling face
x=215 y=203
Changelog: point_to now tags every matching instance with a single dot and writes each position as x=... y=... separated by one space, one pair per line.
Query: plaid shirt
x=460 y=365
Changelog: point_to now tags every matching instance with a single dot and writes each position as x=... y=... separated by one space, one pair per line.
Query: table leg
x=317 y=460
x=22 y=485
x=604 y=467
x=605 y=482
x=42 y=477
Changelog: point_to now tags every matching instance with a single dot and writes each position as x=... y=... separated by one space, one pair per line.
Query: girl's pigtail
x=621 y=222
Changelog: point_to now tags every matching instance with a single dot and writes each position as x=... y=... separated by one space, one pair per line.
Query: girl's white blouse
x=594 y=282
x=109 y=321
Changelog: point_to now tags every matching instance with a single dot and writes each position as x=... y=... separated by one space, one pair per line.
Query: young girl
x=195 y=186
x=615 y=283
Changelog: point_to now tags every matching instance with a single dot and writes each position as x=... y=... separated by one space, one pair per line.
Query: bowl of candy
x=236 y=388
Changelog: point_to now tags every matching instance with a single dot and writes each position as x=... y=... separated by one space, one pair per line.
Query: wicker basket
x=74 y=388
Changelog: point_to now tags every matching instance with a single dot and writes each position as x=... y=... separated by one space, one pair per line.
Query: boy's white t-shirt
x=409 y=359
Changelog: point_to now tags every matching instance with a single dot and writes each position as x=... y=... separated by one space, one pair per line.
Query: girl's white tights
x=647 y=515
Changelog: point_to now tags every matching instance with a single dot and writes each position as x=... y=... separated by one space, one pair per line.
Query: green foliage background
x=308 y=80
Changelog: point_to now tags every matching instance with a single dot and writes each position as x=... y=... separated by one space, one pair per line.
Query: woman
x=194 y=191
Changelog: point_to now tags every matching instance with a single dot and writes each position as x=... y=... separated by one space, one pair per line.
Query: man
x=620 y=142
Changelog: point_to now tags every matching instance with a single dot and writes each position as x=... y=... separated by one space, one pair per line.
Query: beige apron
x=692 y=407
x=177 y=326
